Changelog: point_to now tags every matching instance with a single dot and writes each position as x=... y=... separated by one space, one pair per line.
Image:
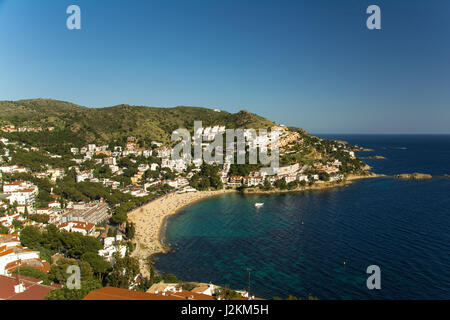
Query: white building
x=111 y=246
x=288 y=170
x=85 y=175
x=143 y=167
x=12 y=252
x=22 y=192
x=16 y=185
x=84 y=228
x=163 y=152
x=253 y=180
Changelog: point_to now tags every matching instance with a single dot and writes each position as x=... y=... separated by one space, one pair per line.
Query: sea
x=321 y=243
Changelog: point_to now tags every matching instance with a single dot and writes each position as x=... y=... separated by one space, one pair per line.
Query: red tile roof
x=111 y=293
x=34 y=290
x=34 y=263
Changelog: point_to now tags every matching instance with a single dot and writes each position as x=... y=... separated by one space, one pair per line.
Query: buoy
x=344 y=262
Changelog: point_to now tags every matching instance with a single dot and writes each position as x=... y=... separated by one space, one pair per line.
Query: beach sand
x=149 y=221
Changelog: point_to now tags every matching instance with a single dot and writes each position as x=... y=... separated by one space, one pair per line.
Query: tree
x=43 y=198
x=292 y=185
x=152 y=274
x=188 y=286
x=280 y=184
x=33 y=273
x=129 y=230
x=41 y=218
x=74 y=294
x=58 y=271
x=168 y=174
x=112 y=232
x=151 y=174
x=228 y=294
x=51 y=239
x=207 y=178
x=73 y=245
x=31 y=237
x=267 y=185
x=99 y=266
x=124 y=271
x=324 y=176
x=170 y=278
x=3 y=229
x=17 y=224
x=166 y=188
x=103 y=172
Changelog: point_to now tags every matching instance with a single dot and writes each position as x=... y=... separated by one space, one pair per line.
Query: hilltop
x=117 y=122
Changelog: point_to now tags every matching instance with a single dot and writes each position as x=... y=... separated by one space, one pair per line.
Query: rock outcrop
x=413 y=176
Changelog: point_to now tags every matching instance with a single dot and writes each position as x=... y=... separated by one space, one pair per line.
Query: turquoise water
x=297 y=243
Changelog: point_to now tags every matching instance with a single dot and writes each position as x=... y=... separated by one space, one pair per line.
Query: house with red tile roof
x=10 y=254
x=111 y=293
x=38 y=264
x=23 y=288
x=13 y=256
x=78 y=226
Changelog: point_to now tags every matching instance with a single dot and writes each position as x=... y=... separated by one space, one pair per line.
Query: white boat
x=259 y=204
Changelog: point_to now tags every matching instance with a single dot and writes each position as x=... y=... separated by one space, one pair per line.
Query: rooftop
x=34 y=290
x=111 y=293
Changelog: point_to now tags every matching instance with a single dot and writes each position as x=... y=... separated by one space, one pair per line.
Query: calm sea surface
x=297 y=243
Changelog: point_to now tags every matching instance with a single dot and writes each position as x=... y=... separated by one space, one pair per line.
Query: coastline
x=321 y=185
x=150 y=220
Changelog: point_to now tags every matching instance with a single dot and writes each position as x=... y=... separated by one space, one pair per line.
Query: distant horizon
x=223 y=109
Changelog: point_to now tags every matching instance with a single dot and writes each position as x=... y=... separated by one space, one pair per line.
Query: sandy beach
x=150 y=219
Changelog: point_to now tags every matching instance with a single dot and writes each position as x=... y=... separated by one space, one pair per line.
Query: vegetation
x=3 y=229
x=33 y=273
x=228 y=294
x=41 y=218
x=120 y=213
x=75 y=126
x=78 y=125
x=72 y=245
x=124 y=271
x=74 y=294
x=58 y=271
x=207 y=178
x=99 y=266
x=170 y=278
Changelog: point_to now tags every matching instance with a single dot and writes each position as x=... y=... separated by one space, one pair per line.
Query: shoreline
x=150 y=220
x=317 y=186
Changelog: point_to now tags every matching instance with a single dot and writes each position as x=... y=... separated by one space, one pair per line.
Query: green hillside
x=118 y=122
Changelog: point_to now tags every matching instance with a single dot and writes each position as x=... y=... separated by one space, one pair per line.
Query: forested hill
x=78 y=123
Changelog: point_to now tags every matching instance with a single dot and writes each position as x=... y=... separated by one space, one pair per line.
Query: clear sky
x=311 y=64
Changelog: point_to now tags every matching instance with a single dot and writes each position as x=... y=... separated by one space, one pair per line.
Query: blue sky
x=311 y=64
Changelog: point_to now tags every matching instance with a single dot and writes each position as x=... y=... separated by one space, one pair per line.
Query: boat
x=259 y=204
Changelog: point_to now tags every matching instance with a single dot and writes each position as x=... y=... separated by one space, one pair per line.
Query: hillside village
x=50 y=202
